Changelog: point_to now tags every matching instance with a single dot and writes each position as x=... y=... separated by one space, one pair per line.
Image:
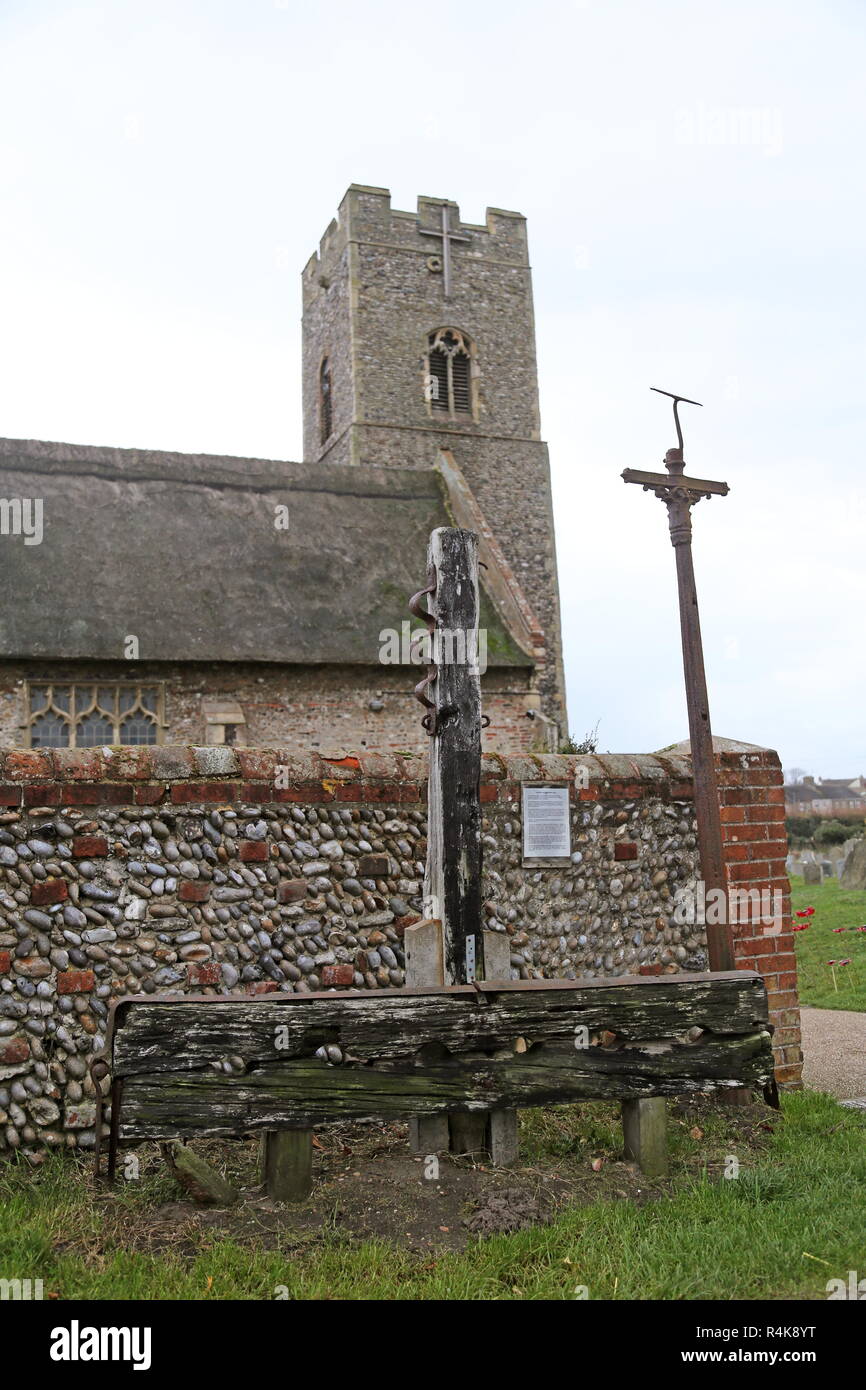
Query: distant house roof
x=800 y=791
x=844 y=786
x=835 y=791
x=182 y=551
x=810 y=791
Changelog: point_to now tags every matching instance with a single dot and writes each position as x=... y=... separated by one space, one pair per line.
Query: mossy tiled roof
x=182 y=551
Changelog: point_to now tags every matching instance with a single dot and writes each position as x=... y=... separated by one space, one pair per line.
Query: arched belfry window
x=448 y=387
x=326 y=414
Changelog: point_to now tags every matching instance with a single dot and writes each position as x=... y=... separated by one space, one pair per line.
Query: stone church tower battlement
x=419 y=335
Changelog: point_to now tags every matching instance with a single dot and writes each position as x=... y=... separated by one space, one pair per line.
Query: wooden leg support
x=502 y=1132
x=428 y=1134
x=468 y=1132
x=737 y=1095
x=644 y=1126
x=503 y=1138
x=494 y=1132
x=287 y=1164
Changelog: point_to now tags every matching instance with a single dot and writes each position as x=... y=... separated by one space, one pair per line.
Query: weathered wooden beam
x=306 y=1091
x=180 y=1034
x=396 y=1054
x=465 y=1055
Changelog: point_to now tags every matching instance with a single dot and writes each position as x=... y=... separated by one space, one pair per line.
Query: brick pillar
x=756 y=846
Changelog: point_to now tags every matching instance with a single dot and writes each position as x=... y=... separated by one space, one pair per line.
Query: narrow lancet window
x=448 y=386
x=326 y=418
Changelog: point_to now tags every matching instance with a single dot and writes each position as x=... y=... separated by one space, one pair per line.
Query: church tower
x=419 y=336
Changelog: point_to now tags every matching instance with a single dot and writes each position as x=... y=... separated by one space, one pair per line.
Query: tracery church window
x=86 y=715
x=448 y=383
x=326 y=414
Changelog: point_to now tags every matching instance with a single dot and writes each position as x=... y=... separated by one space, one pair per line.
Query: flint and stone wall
x=215 y=870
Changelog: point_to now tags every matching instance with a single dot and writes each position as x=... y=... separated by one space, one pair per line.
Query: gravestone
x=827 y=868
x=811 y=872
x=854 y=873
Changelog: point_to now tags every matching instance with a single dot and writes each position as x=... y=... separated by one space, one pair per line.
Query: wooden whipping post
x=450 y=947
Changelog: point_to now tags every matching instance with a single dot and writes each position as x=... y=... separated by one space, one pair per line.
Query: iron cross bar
x=679 y=493
x=447 y=237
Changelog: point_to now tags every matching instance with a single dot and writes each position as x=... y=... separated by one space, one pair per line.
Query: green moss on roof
x=184 y=552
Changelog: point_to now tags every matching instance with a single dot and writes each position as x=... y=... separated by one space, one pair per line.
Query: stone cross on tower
x=447 y=237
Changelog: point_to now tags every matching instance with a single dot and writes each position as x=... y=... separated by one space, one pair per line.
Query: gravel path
x=834 y=1052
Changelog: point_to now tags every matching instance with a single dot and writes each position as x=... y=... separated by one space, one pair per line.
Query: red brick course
x=253 y=851
x=206 y=972
x=14 y=1051
x=97 y=794
x=40 y=795
x=184 y=792
x=52 y=890
x=193 y=892
x=75 y=981
x=89 y=846
x=338 y=976
x=292 y=890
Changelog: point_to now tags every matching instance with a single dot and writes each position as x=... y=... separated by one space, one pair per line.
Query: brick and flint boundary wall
x=223 y=870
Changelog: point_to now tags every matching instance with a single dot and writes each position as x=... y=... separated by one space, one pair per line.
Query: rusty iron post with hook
x=680 y=493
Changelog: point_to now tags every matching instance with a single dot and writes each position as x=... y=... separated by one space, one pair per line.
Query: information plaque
x=546 y=824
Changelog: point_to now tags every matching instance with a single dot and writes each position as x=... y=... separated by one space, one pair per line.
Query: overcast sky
x=692 y=174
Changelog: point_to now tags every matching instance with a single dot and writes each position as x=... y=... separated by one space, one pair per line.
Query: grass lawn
x=834 y=907
x=791 y=1220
